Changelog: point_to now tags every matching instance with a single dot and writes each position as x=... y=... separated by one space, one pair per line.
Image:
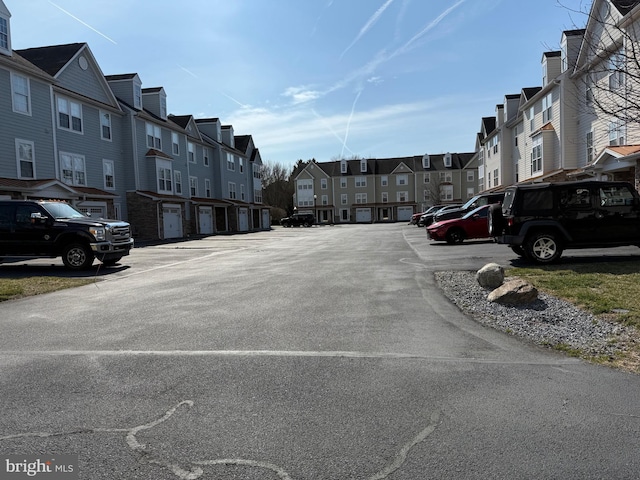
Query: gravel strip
x=547 y=321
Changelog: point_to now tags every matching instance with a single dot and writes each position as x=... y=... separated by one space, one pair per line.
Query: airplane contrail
x=83 y=23
x=332 y=131
x=372 y=20
x=346 y=135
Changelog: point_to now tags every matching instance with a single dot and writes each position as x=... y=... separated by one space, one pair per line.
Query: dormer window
x=447 y=160
x=426 y=161
x=137 y=96
x=343 y=166
x=163 y=107
x=363 y=166
x=5 y=36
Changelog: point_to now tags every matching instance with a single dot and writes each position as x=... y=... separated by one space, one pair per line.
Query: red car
x=473 y=225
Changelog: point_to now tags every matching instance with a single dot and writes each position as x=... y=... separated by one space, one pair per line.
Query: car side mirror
x=37 y=217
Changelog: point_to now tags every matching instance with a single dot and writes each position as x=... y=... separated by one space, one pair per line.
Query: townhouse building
x=383 y=190
x=110 y=147
x=582 y=121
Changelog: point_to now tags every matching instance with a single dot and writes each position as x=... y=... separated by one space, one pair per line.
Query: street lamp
x=315 y=214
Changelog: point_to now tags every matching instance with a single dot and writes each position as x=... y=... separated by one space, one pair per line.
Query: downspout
x=134 y=145
x=54 y=136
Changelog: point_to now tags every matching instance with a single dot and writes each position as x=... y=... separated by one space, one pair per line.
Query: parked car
x=456 y=230
x=472 y=204
x=49 y=229
x=419 y=216
x=427 y=218
x=298 y=219
x=539 y=221
x=415 y=218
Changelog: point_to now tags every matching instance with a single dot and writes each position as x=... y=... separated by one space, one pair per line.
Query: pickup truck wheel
x=543 y=247
x=77 y=256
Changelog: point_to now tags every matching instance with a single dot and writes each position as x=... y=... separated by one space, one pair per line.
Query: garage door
x=205 y=215
x=265 y=219
x=363 y=215
x=405 y=213
x=172 y=220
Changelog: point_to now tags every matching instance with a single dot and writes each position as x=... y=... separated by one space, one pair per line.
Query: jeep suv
x=478 y=201
x=49 y=229
x=539 y=221
x=298 y=219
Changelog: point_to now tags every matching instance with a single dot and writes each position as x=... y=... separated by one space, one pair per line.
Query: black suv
x=473 y=203
x=539 y=221
x=34 y=228
x=298 y=219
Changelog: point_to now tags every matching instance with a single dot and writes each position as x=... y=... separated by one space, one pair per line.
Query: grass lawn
x=24 y=287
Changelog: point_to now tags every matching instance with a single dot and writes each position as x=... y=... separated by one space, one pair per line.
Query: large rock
x=490 y=276
x=514 y=292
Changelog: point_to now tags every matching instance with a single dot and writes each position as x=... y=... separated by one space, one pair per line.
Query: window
x=532 y=118
x=427 y=178
x=361 y=182
x=471 y=176
x=344 y=199
x=426 y=161
x=547 y=103
x=232 y=190
x=231 y=163
x=536 y=155
x=617 y=133
x=361 y=198
x=257 y=196
x=402 y=180
x=256 y=168
x=446 y=177
x=325 y=199
x=154 y=139
x=590 y=150
x=20 y=94
x=137 y=96
x=343 y=182
x=515 y=136
x=446 y=192
x=384 y=180
x=402 y=196
x=495 y=177
x=241 y=164
x=385 y=197
x=205 y=159
x=616 y=70
x=175 y=143
x=72 y=168
x=177 y=176
x=163 y=172
x=426 y=195
x=363 y=166
x=447 y=160
x=343 y=166
x=69 y=115
x=105 y=125
x=25 y=158
x=191 y=152
x=163 y=106
x=4 y=34
x=193 y=186
x=588 y=90
x=471 y=192
x=108 y=173
x=323 y=183
x=242 y=194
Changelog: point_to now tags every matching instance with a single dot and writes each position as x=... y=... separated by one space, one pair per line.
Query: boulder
x=490 y=276
x=514 y=292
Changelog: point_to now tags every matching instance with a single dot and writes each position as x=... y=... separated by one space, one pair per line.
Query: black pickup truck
x=49 y=229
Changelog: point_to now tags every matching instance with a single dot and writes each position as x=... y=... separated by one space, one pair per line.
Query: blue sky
x=318 y=78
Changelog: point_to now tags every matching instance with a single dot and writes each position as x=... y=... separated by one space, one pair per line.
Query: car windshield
x=62 y=210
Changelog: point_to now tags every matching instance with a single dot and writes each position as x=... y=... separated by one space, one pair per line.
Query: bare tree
x=277 y=188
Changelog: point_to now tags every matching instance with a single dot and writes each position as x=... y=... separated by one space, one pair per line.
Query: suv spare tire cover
x=495 y=220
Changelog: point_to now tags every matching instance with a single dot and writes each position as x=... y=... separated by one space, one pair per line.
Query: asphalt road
x=320 y=353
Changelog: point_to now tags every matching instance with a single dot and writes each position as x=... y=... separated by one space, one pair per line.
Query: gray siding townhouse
x=109 y=147
x=383 y=190
x=259 y=217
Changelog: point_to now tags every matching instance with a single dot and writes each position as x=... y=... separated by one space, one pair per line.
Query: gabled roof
x=488 y=125
x=53 y=58
x=242 y=142
x=122 y=76
x=530 y=92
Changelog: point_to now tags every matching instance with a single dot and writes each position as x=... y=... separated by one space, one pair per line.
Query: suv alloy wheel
x=543 y=247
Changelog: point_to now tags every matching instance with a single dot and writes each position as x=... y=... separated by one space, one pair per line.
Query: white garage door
x=243 y=219
x=405 y=213
x=172 y=219
x=206 y=220
x=363 y=215
x=265 y=219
